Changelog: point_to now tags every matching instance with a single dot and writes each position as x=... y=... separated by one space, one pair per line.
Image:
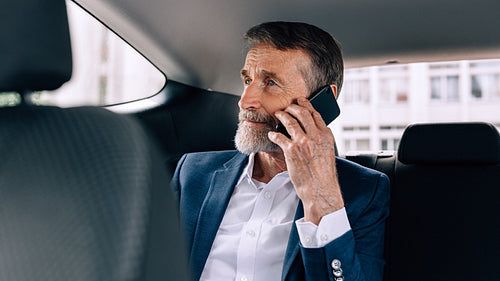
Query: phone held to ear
x=325 y=103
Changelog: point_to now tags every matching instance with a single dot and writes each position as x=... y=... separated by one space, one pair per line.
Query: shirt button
x=339 y=279
x=250 y=233
x=324 y=237
x=243 y=278
x=308 y=240
x=336 y=264
x=267 y=195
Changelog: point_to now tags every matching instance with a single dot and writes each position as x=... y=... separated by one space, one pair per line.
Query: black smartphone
x=325 y=103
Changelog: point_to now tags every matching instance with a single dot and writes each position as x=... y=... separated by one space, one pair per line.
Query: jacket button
x=337 y=273
x=336 y=264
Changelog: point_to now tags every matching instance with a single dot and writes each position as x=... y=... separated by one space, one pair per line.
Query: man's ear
x=334 y=89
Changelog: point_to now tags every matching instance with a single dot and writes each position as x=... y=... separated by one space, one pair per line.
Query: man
x=283 y=208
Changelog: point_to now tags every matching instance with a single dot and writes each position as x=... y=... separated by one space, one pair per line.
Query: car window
x=378 y=102
x=106 y=70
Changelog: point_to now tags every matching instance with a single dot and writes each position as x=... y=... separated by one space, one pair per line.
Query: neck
x=267 y=165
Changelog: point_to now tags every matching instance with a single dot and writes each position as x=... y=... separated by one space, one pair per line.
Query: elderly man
x=278 y=207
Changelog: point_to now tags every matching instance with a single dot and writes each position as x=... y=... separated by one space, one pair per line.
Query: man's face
x=272 y=79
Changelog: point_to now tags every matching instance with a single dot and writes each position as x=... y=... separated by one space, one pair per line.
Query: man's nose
x=251 y=98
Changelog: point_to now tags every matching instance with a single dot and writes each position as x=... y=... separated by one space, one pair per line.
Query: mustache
x=256 y=117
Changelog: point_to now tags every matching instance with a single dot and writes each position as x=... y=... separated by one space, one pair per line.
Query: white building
x=378 y=102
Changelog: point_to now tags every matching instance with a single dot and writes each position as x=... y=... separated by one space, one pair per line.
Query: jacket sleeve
x=358 y=254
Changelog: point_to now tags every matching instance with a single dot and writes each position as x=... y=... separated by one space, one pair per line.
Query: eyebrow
x=243 y=73
x=266 y=73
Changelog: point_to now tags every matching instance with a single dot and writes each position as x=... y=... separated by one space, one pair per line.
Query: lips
x=256 y=119
x=253 y=123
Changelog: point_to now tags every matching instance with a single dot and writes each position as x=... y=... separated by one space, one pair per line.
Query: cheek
x=276 y=102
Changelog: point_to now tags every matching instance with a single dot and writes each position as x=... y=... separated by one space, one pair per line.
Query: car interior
x=82 y=189
x=85 y=189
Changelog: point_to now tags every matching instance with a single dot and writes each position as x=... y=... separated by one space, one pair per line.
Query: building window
x=485 y=86
x=397 y=128
x=347 y=145
x=390 y=136
x=362 y=144
x=445 y=88
x=394 y=90
x=389 y=144
x=447 y=66
x=356 y=91
x=356 y=128
x=356 y=138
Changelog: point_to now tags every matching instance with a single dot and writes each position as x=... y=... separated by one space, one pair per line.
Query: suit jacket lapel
x=212 y=211
x=293 y=247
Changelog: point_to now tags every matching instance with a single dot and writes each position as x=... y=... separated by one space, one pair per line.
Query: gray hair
x=324 y=51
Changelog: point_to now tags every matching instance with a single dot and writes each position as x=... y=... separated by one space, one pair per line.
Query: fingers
x=318 y=120
x=279 y=139
x=291 y=123
x=301 y=119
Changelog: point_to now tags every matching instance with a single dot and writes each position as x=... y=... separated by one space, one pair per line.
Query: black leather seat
x=83 y=195
x=192 y=120
x=444 y=204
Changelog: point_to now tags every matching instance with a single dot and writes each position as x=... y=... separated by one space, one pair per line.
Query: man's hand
x=310 y=159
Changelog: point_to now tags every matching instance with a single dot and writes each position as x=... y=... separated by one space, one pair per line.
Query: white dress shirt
x=253 y=235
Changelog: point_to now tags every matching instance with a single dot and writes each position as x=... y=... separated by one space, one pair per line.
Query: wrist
x=315 y=212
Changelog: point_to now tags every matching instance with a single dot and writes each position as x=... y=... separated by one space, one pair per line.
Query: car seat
x=444 y=205
x=83 y=195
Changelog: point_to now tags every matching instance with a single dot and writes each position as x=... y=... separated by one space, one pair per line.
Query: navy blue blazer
x=203 y=183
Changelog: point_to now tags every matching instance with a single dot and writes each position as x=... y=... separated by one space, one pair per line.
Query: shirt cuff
x=331 y=227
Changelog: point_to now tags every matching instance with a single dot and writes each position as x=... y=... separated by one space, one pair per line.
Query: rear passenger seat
x=444 y=186
x=384 y=162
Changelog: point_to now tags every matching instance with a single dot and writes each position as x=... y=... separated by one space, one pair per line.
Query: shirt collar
x=248 y=171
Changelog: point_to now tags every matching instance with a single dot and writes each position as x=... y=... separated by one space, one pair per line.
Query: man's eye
x=272 y=83
x=247 y=81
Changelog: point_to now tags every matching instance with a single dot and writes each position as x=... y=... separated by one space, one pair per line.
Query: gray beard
x=252 y=140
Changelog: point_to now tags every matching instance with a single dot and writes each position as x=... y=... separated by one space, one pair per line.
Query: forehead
x=264 y=57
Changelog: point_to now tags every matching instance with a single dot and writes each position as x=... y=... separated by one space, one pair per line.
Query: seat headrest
x=35 y=52
x=450 y=143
